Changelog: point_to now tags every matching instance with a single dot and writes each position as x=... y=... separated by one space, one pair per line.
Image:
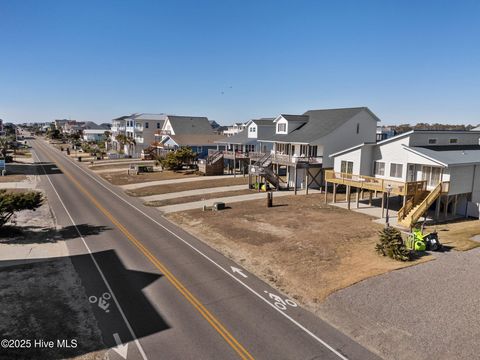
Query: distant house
x=93 y=135
x=439 y=169
x=234 y=129
x=139 y=128
x=476 y=129
x=247 y=140
x=193 y=131
x=2 y=132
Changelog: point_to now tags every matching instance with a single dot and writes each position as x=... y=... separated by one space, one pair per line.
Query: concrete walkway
x=17 y=185
x=227 y=200
x=173 y=181
x=194 y=192
x=104 y=171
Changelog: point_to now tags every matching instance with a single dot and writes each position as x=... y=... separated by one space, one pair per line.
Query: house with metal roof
x=430 y=170
x=301 y=144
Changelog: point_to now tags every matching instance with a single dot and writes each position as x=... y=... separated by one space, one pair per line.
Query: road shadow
x=38 y=168
x=66 y=298
x=40 y=235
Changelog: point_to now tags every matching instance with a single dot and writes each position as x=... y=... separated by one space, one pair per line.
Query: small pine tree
x=391 y=244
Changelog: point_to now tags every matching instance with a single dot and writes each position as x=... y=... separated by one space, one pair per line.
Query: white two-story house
x=303 y=143
x=444 y=165
x=139 y=129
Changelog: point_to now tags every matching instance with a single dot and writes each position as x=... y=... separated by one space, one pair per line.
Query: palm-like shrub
x=391 y=244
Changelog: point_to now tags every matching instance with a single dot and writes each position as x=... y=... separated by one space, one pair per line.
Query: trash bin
x=79 y=158
x=269 y=199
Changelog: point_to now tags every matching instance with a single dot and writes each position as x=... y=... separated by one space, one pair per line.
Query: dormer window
x=282 y=128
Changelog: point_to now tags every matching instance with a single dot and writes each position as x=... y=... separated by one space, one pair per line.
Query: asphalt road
x=159 y=293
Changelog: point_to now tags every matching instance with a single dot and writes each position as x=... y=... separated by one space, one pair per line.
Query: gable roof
x=320 y=123
x=294 y=118
x=190 y=125
x=263 y=121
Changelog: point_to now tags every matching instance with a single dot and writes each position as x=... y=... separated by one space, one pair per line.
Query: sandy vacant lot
x=193 y=185
x=188 y=199
x=123 y=178
x=302 y=246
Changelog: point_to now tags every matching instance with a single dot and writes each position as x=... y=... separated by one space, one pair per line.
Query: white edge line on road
x=144 y=356
x=336 y=352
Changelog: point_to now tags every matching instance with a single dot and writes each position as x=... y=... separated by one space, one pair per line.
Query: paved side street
x=429 y=311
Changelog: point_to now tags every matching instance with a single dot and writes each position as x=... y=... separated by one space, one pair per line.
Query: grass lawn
x=12 y=178
x=169 y=188
x=45 y=300
x=302 y=246
x=187 y=199
x=124 y=178
x=458 y=234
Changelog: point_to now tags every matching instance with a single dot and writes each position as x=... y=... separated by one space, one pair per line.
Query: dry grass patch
x=124 y=178
x=193 y=185
x=188 y=199
x=302 y=246
x=45 y=300
x=12 y=178
x=458 y=234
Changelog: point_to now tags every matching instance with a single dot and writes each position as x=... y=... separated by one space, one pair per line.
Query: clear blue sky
x=409 y=61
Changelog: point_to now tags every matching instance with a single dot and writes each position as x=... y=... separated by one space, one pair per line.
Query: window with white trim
x=379 y=168
x=346 y=167
x=282 y=127
x=396 y=170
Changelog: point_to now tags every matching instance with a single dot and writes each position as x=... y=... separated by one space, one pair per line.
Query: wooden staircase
x=263 y=168
x=418 y=205
x=212 y=165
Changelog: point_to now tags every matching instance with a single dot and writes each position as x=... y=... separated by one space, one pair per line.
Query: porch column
x=348 y=197
x=288 y=176
x=369 y=198
x=306 y=182
x=358 y=197
x=326 y=192
x=234 y=165
x=445 y=210
x=455 y=203
x=295 y=184
x=437 y=208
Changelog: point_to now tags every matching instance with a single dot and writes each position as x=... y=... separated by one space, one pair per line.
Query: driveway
x=428 y=311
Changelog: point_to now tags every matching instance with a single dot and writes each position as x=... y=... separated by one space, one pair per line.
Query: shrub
x=391 y=244
x=10 y=203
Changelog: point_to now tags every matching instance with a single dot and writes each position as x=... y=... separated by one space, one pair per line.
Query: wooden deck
x=376 y=184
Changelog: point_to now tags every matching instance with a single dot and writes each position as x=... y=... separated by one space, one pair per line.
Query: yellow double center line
x=214 y=322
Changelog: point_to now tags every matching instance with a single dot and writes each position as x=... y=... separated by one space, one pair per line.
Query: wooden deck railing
x=376 y=184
